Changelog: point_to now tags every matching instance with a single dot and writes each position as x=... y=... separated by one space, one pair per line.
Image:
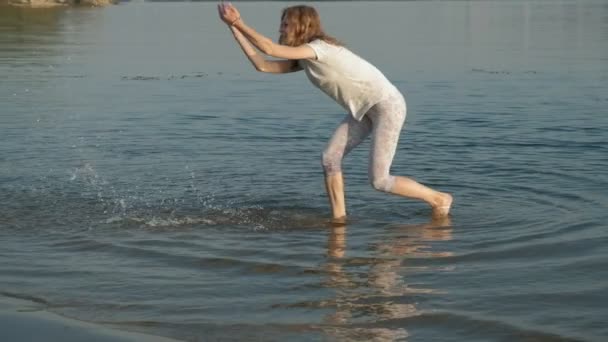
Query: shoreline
x=24 y=320
x=56 y=3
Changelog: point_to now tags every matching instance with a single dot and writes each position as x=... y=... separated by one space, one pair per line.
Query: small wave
x=467 y=322
x=502 y=72
x=70 y=76
x=544 y=249
x=26 y=297
x=158 y=78
x=366 y=334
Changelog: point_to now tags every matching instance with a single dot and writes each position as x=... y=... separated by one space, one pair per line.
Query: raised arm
x=259 y=62
x=232 y=17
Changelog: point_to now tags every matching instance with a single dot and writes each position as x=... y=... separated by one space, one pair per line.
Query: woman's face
x=283 y=27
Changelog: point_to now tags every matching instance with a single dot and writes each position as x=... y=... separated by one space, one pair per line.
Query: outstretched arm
x=259 y=62
x=232 y=17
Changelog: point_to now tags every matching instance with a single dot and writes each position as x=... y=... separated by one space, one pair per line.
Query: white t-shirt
x=347 y=78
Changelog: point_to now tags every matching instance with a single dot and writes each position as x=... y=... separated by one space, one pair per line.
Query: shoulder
x=317 y=42
x=320 y=43
x=322 y=48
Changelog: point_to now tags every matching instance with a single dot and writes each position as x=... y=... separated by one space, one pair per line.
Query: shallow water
x=152 y=181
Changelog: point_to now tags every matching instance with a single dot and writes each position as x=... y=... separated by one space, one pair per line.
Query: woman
x=374 y=104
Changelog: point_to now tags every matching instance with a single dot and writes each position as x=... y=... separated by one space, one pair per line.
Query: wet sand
x=22 y=320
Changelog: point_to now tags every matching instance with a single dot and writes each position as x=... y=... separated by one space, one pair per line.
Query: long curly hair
x=303 y=26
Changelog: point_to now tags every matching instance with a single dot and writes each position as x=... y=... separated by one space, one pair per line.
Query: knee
x=331 y=162
x=382 y=183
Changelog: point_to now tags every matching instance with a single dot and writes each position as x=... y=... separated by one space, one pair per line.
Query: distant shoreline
x=56 y=3
x=103 y=3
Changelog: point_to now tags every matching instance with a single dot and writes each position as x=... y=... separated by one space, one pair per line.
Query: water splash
x=253 y=218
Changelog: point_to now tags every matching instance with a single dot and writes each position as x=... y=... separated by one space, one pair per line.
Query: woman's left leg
x=387 y=119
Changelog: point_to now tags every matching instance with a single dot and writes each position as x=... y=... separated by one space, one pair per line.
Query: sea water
x=151 y=180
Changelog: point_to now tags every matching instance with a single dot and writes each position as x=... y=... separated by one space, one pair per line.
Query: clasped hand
x=228 y=13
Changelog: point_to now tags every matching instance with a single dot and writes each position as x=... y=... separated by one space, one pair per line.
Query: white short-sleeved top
x=350 y=80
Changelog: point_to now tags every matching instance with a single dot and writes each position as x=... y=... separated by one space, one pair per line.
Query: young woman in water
x=373 y=103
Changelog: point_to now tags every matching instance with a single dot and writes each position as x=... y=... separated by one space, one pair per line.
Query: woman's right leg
x=349 y=134
x=387 y=118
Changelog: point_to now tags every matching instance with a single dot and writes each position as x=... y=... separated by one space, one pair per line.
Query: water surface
x=152 y=181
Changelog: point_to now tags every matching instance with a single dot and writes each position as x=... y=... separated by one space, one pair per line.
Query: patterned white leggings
x=384 y=120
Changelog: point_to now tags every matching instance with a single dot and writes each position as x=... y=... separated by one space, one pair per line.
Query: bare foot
x=442 y=207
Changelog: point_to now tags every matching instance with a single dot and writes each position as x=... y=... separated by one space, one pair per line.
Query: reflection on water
x=382 y=293
x=22 y=19
x=26 y=31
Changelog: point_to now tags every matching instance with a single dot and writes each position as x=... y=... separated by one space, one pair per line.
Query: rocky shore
x=55 y=3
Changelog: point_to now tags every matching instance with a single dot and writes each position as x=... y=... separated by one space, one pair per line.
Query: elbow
x=261 y=66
